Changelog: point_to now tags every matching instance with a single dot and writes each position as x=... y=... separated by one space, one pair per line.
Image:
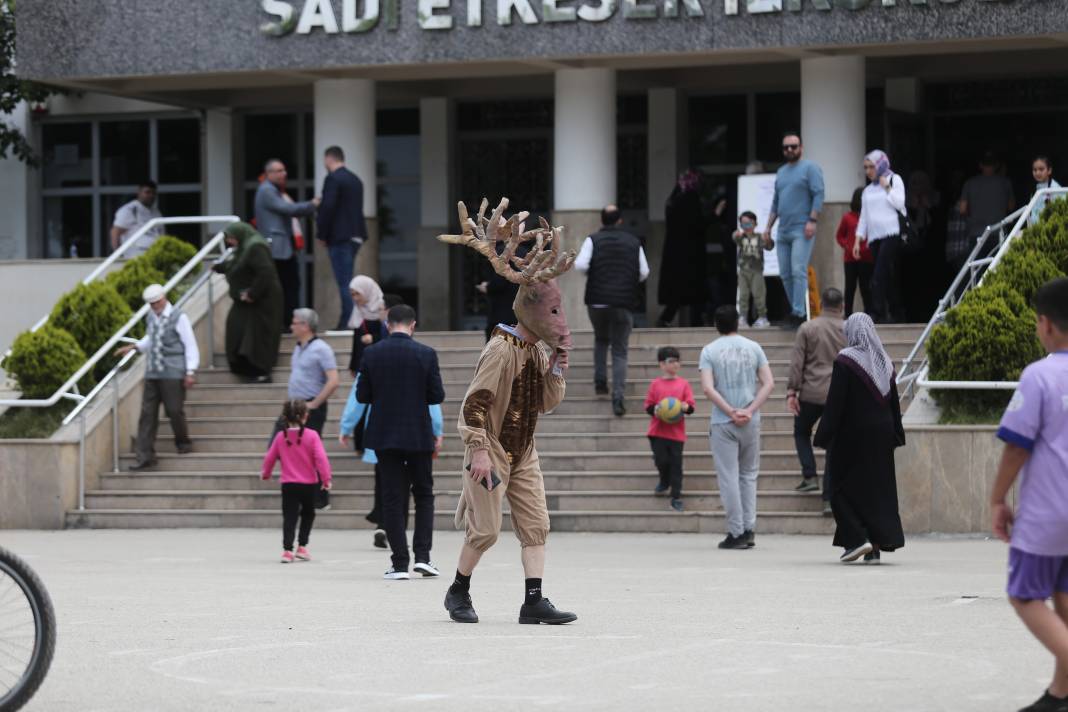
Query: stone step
x=264 y=405
x=559 y=443
x=693 y=459
x=604 y=422
x=770 y=522
x=147 y=481
x=638 y=353
x=444 y=500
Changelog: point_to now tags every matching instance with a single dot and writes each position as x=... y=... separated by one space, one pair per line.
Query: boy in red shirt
x=668 y=439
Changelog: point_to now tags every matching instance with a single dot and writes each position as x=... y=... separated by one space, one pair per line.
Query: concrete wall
x=944 y=475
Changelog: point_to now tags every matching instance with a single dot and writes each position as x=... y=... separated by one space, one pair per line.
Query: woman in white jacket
x=880 y=205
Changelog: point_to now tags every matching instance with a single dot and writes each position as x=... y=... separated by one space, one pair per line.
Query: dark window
x=718 y=130
x=632 y=171
x=775 y=114
x=179 y=151
x=68 y=155
x=397 y=122
x=501 y=115
x=182 y=204
x=68 y=222
x=270 y=136
x=123 y=152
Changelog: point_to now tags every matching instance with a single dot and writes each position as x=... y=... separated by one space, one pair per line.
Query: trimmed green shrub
x=131 y=280
x=1024 y=271
x=169 y=254
x=92 y=313
x=41 y=361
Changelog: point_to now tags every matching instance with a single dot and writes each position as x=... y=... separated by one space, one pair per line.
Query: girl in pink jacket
x=305 y=470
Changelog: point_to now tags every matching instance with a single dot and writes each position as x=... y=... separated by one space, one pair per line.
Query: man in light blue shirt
x=731 y=367
x=797 y=204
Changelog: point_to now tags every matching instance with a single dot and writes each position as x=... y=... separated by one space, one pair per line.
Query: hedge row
x=990 y=335
x=85 y=318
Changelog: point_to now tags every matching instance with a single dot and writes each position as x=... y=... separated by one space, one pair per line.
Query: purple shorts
x=1033 y=577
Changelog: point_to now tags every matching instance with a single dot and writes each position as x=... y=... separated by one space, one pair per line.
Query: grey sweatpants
x=736 y=454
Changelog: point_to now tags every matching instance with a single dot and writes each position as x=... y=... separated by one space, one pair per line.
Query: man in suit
x=341 y=225
x=274 y=211
x=400 y=378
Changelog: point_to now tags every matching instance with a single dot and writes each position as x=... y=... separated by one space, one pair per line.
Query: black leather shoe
x=618 y=408
x=138 y=466
x=544 y=612
x=458 y=604
x=184 y=448
x=600 y=389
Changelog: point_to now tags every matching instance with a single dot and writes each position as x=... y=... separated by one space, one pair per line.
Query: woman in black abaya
x=860 y=428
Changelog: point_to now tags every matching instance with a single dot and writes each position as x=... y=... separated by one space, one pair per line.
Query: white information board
x=755 y=193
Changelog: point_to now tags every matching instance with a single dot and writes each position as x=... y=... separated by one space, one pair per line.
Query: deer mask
x=539 y=304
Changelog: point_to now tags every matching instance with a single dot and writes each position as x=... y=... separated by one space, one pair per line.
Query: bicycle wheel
x=27 y=632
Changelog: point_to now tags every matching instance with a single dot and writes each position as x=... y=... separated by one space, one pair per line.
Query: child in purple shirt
x=1035 y=431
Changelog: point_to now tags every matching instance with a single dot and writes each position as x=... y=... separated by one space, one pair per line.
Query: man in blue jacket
x=341 y=225
x=400 y=378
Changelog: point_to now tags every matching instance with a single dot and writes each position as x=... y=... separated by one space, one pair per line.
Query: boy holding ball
x=668 y=401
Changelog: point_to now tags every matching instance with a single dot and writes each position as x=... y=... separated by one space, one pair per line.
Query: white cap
x=153 y=293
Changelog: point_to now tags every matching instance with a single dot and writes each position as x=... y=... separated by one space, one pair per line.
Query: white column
x=832 y=121
x=218 y=162
x=345 y=117
x=436 y=212
x=833 y=129
x=584 y=150
x=584 y=165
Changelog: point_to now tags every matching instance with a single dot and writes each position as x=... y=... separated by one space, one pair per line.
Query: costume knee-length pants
x=479 y=510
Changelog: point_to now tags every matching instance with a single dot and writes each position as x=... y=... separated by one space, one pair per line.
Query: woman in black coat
x=860 y=428
x=683 y=271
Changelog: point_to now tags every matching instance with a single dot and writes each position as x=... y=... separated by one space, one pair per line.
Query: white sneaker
x=426 y=569
x=394 y=575
x=856 y=552
x=742 y=323
x=761 y=323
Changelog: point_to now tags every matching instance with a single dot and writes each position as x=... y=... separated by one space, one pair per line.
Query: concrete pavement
x=207 y=620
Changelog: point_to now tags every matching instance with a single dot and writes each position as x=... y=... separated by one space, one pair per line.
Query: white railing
x=69 y=390
x=914 y=370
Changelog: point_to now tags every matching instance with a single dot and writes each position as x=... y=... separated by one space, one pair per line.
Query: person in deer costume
x=520 y=374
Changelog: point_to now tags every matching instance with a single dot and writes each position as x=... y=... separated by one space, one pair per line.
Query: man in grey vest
x=615 y=265
x=172 y=360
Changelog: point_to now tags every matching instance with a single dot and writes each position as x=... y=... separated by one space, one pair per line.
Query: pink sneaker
x=287 y=557
x=303 y=554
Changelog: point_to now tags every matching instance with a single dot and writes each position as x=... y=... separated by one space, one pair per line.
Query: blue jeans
x=342 y=259
x=794 y=252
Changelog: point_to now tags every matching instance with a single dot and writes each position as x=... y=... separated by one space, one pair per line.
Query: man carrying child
x=1035 y=431
x=751 y=248
x=667 y=431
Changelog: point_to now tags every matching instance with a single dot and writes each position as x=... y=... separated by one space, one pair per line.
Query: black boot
x=544 y=612
x=458 y=604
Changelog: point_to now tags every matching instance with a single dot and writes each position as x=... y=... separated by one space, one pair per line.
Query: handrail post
x=211 y=324
x=81 y=463
x=115 y=424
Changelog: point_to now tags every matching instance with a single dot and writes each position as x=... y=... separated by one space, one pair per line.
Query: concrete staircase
x=599 y=474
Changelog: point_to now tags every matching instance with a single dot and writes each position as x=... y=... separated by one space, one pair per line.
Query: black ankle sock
x=533 y=591
x=461 y=582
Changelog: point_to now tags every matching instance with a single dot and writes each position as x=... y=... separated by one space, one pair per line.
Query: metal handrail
x=128 y=245
x=913 y=369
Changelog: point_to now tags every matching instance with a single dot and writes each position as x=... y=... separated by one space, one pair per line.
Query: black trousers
x=858 y=273
x=289 y=275
x=696 y=313
x=316 y=421
x=298 y=501
x=404 y=471
x=375 y=515
x=803 y=426
x=611 y=328
x=171 y=392
x=667 y=456
x=885 y=285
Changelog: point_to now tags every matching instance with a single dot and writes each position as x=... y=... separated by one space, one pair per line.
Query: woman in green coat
x=252 y=335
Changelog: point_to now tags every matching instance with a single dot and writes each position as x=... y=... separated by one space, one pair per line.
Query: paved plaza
x=207 y=620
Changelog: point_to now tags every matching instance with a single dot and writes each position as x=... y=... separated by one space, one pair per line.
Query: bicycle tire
x=45 y=628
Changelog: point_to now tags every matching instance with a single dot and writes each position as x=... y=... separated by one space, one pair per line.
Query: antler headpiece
x=542 y=263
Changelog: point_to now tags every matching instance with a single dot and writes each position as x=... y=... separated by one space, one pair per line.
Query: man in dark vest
x=172 y=358
x=615 y=264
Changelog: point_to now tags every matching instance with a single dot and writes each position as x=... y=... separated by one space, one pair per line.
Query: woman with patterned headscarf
x=252 y=335
x=860 y=428
x=879 y=227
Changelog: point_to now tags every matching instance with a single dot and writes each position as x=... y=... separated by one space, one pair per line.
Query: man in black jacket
x=400 y=378
x=341 y=225
x=615 y=264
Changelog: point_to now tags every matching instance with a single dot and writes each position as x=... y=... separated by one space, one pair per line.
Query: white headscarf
x=866 y=350
x=374 y=309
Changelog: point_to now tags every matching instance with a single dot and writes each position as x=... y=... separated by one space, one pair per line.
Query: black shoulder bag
x=911 y=242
